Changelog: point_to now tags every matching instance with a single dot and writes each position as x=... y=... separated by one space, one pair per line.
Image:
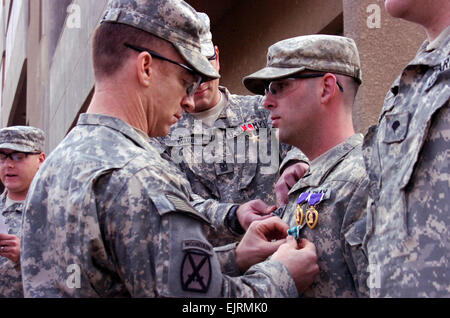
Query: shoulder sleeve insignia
x=196 y=271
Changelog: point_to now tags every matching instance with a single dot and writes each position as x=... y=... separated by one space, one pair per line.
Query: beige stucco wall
x=16 y=54
x=383 y=51
x=245 y=33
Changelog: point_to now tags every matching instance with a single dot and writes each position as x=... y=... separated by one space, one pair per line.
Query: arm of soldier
x=354 y=230
x=289 y=272
x=216 y=213
x=130 y=225
x=280 y=276
x=229 y=219
x=294 y=155
x=287 y=180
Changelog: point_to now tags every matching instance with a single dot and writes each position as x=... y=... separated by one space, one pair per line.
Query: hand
x=300 y=261
x=10 y=247
x=253 y=211
x=261 y=240
x=287 y=180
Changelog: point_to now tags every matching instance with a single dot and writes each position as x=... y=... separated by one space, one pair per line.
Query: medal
x=299 y=213
x=312 y=215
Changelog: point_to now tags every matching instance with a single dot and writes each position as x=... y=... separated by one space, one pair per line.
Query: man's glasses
x=213 y=58
x=278 y=88
x=190 y=90
x=16 y=156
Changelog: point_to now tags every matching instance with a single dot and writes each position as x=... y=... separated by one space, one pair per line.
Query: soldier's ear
x=41 y=159
x=144 y=64
x=329 y=87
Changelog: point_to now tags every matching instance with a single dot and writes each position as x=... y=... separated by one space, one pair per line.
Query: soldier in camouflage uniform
x=313 y=80
x=107 y=216
x=227 y=148
x=407 y=159
x=21 y=155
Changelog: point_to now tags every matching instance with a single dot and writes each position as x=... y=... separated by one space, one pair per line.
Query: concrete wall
x=71 y=77
x=16 y=54
x=384 y=52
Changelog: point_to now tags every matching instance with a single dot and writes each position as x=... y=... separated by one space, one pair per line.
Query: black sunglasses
x=192 y=88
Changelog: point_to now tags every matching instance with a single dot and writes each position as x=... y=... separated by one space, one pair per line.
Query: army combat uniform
x=107 y=216
x=24 y=139
x=339 y=177
x=10 y=276
x=327 y=205
x=407 y=159
x=236 y=160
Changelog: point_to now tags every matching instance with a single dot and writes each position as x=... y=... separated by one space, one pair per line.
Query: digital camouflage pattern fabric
x=237 y=160
x=172 y=20
x=339 y=174
x=106 y=216
x=322 y=53
x=22 y=139
x=407 y=159
x=10 y=275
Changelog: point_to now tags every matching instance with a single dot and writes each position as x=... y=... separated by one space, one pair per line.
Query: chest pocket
x=396 y=127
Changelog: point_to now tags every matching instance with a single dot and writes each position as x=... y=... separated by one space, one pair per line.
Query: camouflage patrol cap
x=322 y=53
x=172 y=20
x=22 y=138
x=206 y=43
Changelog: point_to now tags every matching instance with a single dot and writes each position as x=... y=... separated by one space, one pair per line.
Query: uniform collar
x=17 y=206
x=429 y=54
x=231 y=115
x=439 y=40
x=118 y=124
x=438 y=49
x=322 y=166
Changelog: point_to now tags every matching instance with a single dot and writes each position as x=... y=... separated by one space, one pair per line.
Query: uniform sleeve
x=159 y=245
x=216 y=212
x=354 y=230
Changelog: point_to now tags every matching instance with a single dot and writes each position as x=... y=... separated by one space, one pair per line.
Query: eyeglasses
x=213 y=58
x=16 y=156
x=278 y=88
x=190 y=90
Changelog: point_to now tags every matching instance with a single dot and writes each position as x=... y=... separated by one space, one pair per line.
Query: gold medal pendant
x=312 y=217
x=299 y=214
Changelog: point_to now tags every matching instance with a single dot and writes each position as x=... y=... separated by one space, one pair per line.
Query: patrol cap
x=206 y=43
x=321 y=53
x=22 y=138
x=172 y=20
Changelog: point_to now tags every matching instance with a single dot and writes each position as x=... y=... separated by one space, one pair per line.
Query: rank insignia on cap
x=196 y=271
